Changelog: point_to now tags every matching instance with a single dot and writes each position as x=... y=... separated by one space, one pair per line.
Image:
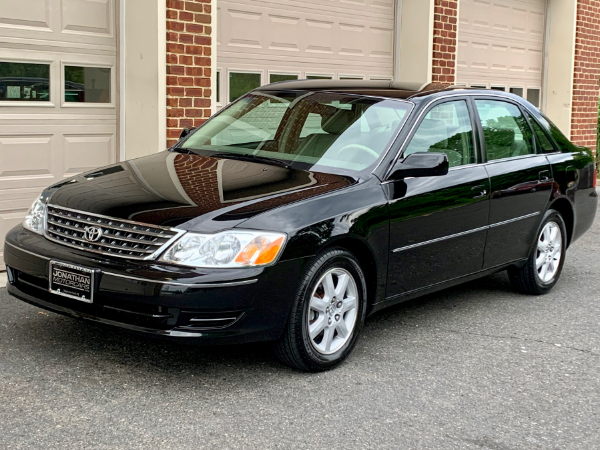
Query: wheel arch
x=366 y=258
x=565 y=208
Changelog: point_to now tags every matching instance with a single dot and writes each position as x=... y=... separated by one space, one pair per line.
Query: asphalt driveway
x=474 y=367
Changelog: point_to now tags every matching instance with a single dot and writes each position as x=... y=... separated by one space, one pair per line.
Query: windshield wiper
x=253 y=158
x=186 y=151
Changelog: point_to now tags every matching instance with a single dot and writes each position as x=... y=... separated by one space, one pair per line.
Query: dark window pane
x=446 y=129
x=242 y=83
x=533 y=97
x=544 y=144
x=318 y=77
x=517 y=91
x=507 y=133
x=87 y=84
x=479 y=86
x=24 y=82
x=498 y=88
x=564 y=144
x=351 y=77
x=274 y=78
x=218 y=93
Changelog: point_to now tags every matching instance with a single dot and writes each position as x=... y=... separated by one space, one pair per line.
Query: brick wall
x=584 y=119
x=189 y=38
x=445 y=26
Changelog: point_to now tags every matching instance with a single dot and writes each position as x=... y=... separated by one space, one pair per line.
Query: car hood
x=190 y=192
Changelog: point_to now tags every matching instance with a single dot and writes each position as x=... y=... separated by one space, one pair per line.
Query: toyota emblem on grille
x=93 y=234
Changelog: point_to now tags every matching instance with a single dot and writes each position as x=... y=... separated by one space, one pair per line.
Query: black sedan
x=304 y=207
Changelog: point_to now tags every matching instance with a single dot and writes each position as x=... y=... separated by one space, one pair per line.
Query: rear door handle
x=479 y=190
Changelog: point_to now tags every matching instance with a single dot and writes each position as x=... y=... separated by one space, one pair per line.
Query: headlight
x=236 y=248
x=34 y=220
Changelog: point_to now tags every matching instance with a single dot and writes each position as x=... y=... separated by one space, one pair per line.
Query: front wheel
x=542 y=270
x=327 y=314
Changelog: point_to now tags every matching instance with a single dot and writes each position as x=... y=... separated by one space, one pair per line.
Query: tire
x=543 y=267
x=314 y=309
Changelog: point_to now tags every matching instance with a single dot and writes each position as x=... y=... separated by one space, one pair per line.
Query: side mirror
x=185 y=132
x=421 y=165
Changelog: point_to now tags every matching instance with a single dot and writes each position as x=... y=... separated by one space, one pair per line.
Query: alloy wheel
x=549 y=251
x=332 y=311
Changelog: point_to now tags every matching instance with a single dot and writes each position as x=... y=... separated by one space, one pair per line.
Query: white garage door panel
x=313 y=37
x=90 y=22
x=25 y=156
x=27 y=13
x=501 y=42
x=85 y=152
x=88 y=16
x=42 y=143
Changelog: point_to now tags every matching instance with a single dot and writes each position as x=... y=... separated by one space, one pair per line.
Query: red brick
x=186 y=38
x=174 y=4
x=202 y=61
x=191 y=6
x=175 y=112
x=194 y=92
x=194 y=112
x=186 y=16
x=194 y=28
x=202 y=18
x=202 y=40
x=173 y=133
x=175 y=26
x=175 y=70
x=175 y=48
x=186 y=60
x=193 y=49
x=175 y=91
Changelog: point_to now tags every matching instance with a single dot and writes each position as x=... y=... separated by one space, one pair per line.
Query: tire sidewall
x=550 y=216
x=346 y=261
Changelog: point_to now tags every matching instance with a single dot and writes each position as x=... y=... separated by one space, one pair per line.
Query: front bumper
x=212 y=306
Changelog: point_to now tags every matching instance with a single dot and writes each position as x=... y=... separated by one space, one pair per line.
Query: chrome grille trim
x=120 y=238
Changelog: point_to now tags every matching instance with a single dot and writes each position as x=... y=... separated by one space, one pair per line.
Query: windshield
x=336 y=132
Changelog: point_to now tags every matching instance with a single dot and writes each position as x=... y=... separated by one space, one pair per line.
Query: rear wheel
x=544 y=266
x=327 y=314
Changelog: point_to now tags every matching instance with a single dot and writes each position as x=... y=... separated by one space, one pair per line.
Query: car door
x=521 y=180
x=438 y=225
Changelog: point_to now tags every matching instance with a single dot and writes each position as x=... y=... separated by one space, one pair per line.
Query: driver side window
x=446 y=129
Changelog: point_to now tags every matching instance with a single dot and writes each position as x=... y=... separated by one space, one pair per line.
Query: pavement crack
x=520 y=338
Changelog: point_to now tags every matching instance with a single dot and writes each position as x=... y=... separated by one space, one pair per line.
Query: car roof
x=379 y=88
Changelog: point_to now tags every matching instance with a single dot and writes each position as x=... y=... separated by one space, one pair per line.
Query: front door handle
x=479 y=190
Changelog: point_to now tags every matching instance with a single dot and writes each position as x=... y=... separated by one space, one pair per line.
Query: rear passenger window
x=505 y=130
x=543 y=141
x=446 y=129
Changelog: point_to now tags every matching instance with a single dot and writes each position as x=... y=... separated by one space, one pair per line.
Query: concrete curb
x=3 y=279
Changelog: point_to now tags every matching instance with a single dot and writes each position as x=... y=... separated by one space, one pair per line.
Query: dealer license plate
x=71 y=281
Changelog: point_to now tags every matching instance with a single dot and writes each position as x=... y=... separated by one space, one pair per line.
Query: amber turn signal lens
x=269 y=253
x=259 y=252
x=254 y=247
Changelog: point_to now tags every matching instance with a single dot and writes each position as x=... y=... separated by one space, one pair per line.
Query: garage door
x=275 y=40
x=501 y=45
x=58 y=98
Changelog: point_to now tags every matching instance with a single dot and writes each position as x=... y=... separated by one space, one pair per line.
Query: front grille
x=119 y=237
